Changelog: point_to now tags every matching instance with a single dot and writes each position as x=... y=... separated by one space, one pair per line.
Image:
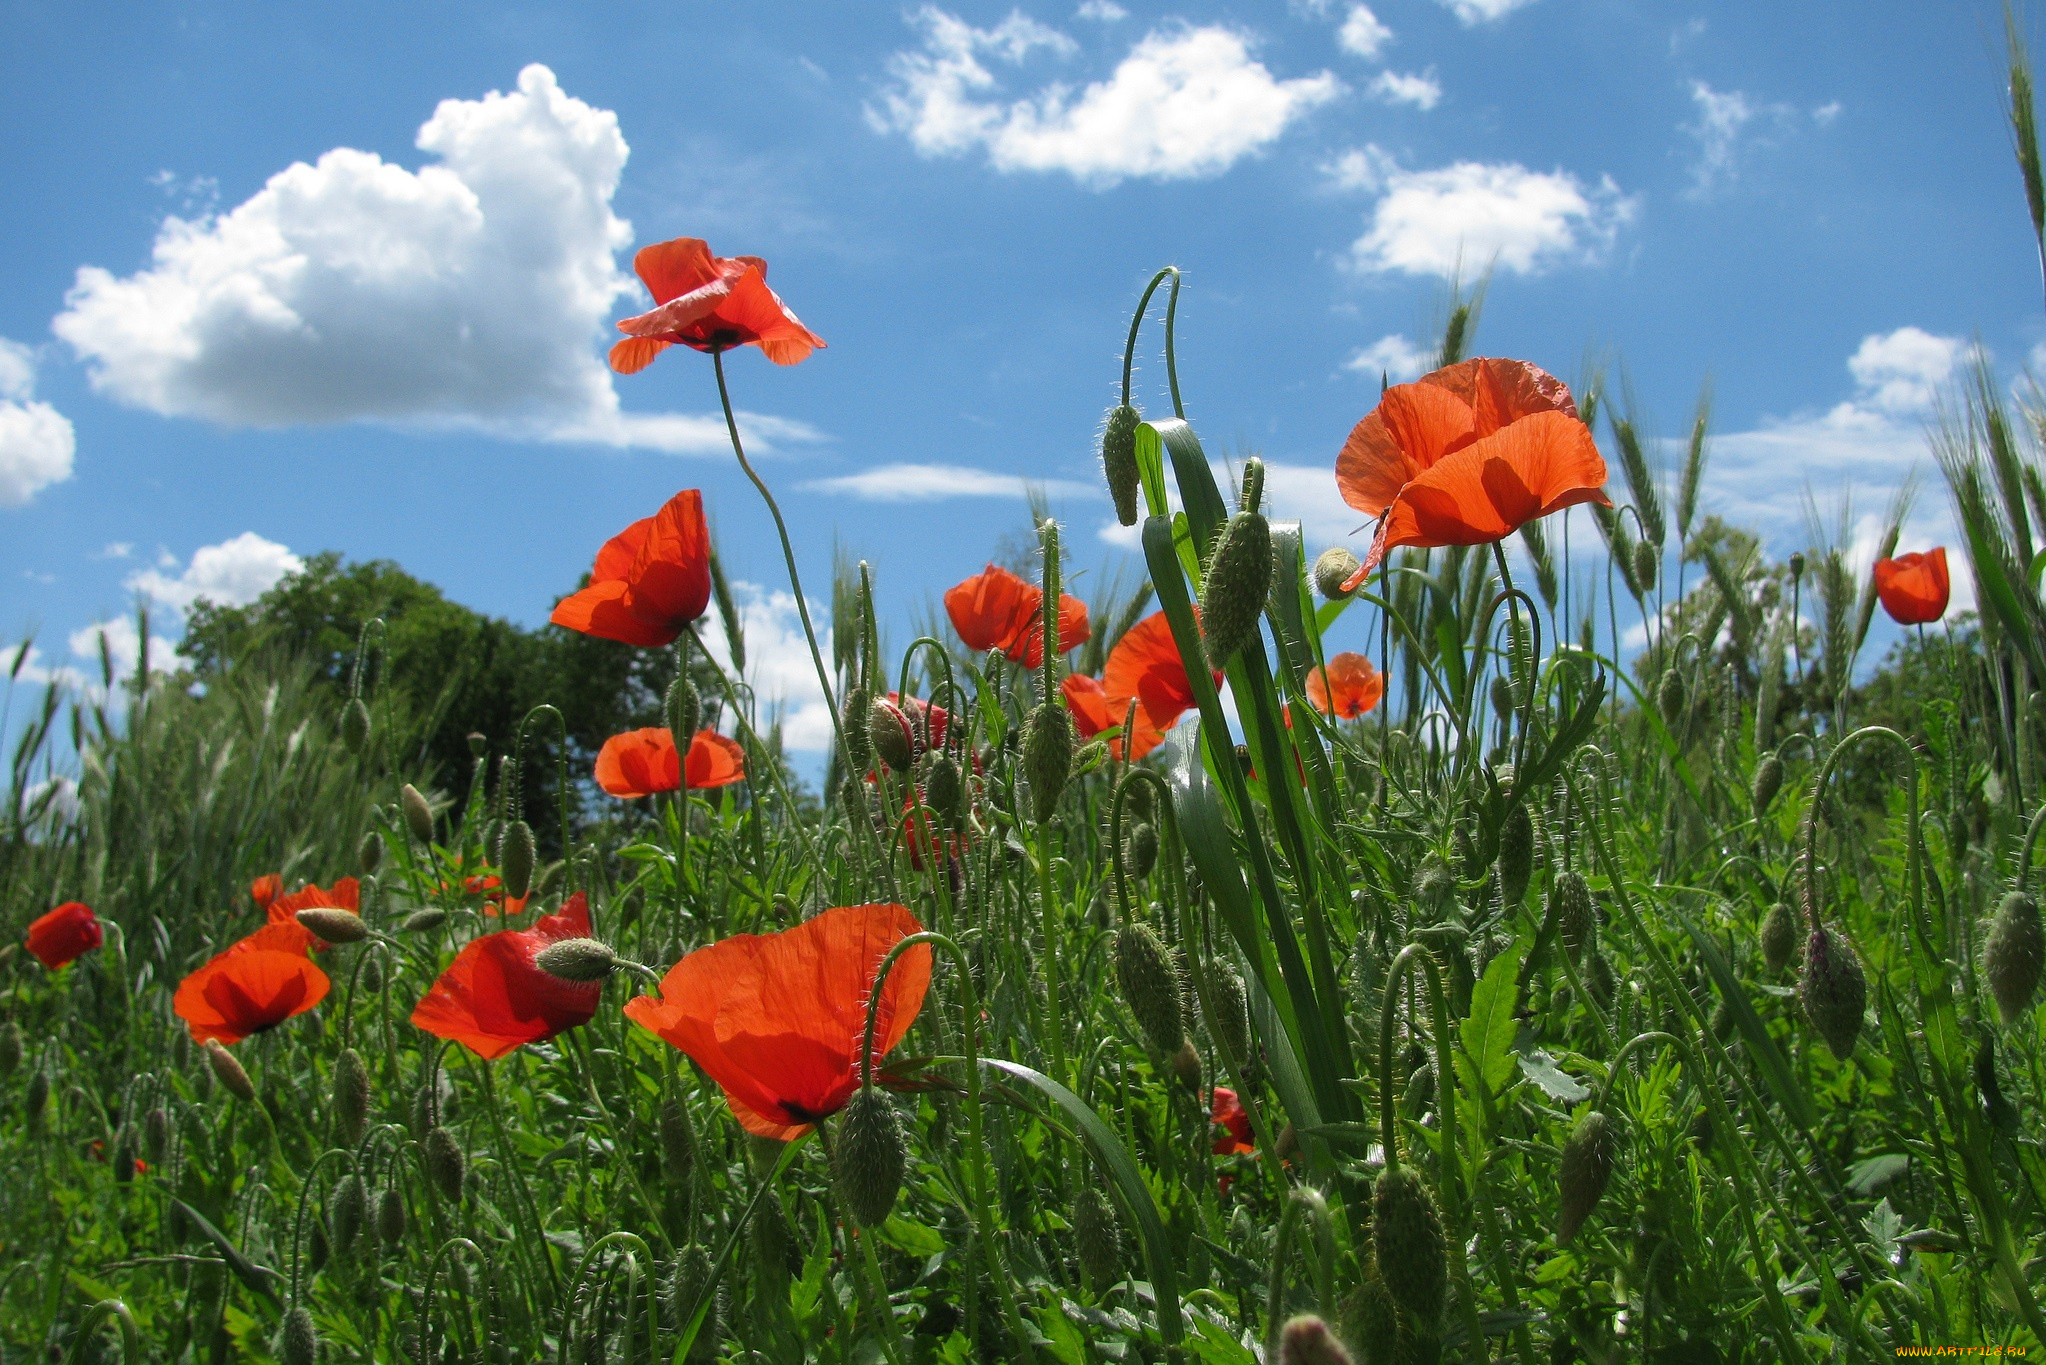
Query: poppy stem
x=1129 y=351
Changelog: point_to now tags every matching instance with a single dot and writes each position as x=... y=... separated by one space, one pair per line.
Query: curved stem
x=1129 y=351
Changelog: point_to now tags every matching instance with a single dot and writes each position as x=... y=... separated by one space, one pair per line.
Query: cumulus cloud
x=1902 y=371
x=1471 y=13
x=937 y=482
x=117 y=642
x=1101 y=11
x=1721 y=116
x=1475 y=214
x=1187 y=102
x=25 y=662
x=472 y=293
x=1362 y=33
x=778 y=663
x=1393 y=356
x=36 y=441
x=233 y=573
x=1420 y=89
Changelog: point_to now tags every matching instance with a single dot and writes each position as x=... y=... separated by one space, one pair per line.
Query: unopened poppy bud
x=1335 y=567
x=1516 y=856
x=1434 y=889
x=445 y=1165
x=369 y=854
x=1957 y=832
x=1581 y=1176
x=419 y=921
x=1097 y=1237
x=577 y=959
x=1571 y=909
x=1406 y=1236
x=229 y=1072
x=351 y=1095
x=1047 y=755
x=1647 y=564
x=684 y=709
x=1599 y=981
x=515 y=859
x=678 y=1145
x=2012 y=955
x=478 y=742
x=855 y=716
x=330 y=924
x=11 y=1047
x=1229 y=1017
x=372 y=974
x=1150 y=986
x=1286 y=1142
x=156 y=1134
x=1140 y=849
x=1779 y=937
x=1671 y=697
x=124 y=1159
x=1239 y=579
x=418 y=815
x=391 y=1217
x=1306 y=1340
x=36 y=1099
x=1502 y=697
x=868 y=1160
x=1119 y=460
x=355 y=725
x=943 y=791
x=888 y=730
x=1833 y=990
x=1796 y=564
x=1768 y=782
x=298 y=1343
x=348 y=1214
x=1371 y=1321
x=316 y=1255
x=1186 y=1065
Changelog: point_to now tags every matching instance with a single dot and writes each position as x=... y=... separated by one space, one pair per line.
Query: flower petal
x=715 y=760
x=673 y=268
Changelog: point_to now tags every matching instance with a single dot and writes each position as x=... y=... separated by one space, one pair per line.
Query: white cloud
x=116 y=549
x=1392 y=356
x=1721 y=116
x=778 y=663
x=37 y=442
x=1101 y=11
x=1902 y=371
x=1421 y=89
x=1826 y=113
x=123 y=645
x=1473 y=214
x=24 y=662
x=472 y=293
x=1185 y=103
x=1471 y=13
x=233 y=573
x=1362 y=33
x=936 y=482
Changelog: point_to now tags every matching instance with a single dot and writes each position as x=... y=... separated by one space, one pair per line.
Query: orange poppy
x=254 y=986
x=1145 y=664
x=1348 y=687
x=266 y=888
x=67 y=932
x=650 y=580
x=1226 y=1111
x=995 y=609
x=1466 y=456
x=708 y=303
x=345 y=894
x=642 y=762
x=1914 y=588
x=776 y=1019
x=1089 y=704
x=493 y=997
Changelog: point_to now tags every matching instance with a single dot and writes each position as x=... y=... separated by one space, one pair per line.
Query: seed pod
x=1671 y=697
x=331 y=924
x=419 y=921
x=391 y=1217
x=1097 y=1236
x=1516 y=856
x=2012 y=956
x=354 y=726
x=1306 y=1340
x=1768 y=782
x=1229 y=1017
x=1140 y=849
x=1150 y=985
x=1047 y=755
x=445 y=1164
x=1834 y=990
x=683 y=708
x=1186 y=1065
x=869 y=1158
x=351 y=1095
x=1406 y=1235
x=298 y=1343
x=1582 y=1175
x=678 y=1145
x=369 y=854
x=418 y=815
x=943 y=791
x=1335 y=567
x=1239 y=580
x=11 y=1048
x=229 y=1072
x=1647 y=565
x=156 y=1134
x=577 y=959
x=1119 y=460
x=854 y=717
x=516 y=853
x=1779 y=937
x=348 y=1214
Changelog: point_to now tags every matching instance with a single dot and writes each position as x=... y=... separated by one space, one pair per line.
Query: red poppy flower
x=1466 y=456
x=1145 y=664
x=266 y=888
x=345 y=894
x=488 y=886
x=255 y=985
x=642 y=762
x=1228 y=1114
x=493 y=998
x=1089 y=704
x=995 y=609
x=650 y=580
x=776 y=1019
x=64 y=933
x=923 y=726
x=1914 y=588
x=709 y=303
x=1348 y=687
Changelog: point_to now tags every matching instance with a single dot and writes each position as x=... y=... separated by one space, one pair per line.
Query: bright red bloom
x=1228 y=1114
x=255 y=985
x=650 y=580
x=493 y=997
x=776 y=1019
x=1467 y=455
x=1348 y=687
x=345 y=894
x=266 y=889
x=64 y=933
x=642 y=762
x=1089 y=704
x=995 y=609
x=1914 y=588
x=1145 y=664
x=709 y=303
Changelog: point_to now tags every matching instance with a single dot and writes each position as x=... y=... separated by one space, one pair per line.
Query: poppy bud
x=1434 y=889
x=445 y=1164
x=229 y=1072
x=869 y=1156
x=1768 y=782
x=37 y=1099
x=684 y=710
x=330 y=924
x=1097 y=1237
x=1119 y=460
x=1140 y=849
x=1671 y=697
x=1150 y=985
x=298 y=1343
x=1700 y=1131
x=1599 y=982
x=419 y=921
x=391 y=1217
x=372 y=975
x=1516 y=856
x=11 y=1048
x=1582 y=1175
x=351 y=1095
x=943 y=791
x=1186 y=1065
x=316 y=1255
x=2012 y=955
x=854 y=718
x=369 y=854
x=1306 y=1340
x=1406 y=1236
x=418 y=815
x=348 y=1214
x=1335 y=567
x=1239 y=579
x=1796 y=564
x=478 y=742
x=124 y=1159
x=577 y=959
x=1834 y=990
x=515 y=859
x=1371 y=1322
x=156 y=1134
x=1047 y=755
x=1779 y=937
x=1229 y=1020
x=354 y=725
x=1420 y=1090
x=678 y=1145
x=1647 y=564
x=888 y=731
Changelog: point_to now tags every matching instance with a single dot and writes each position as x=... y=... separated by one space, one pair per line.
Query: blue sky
x=284 y=279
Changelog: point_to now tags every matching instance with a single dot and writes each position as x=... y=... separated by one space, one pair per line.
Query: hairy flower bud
x=888 y=730
x=351 y=1095
x=1833 y=990
x=418 y=815
x=1779 y=937
x=678 y=1145
x=515 y=856
x=446 y=1167
x=1140 y=849
x=298 y=1343
x=1671 y=697
x=1229 y=1015
x=1186 y=1065
x=331 y=924
x=1150 y=985
x=1647 y=565
x=577 y=959
x=354 y=726
x=348 y=1214
x=419 y=921
x=1097 y=1236
x=156 y=1130
x=1334 y=567
x=124 y=1158
x=2012 y=955
x=1434 y=890
x=1306 y=1340
x=1516 y=856
x=1571 y=909
x=1238 y=581
x=944 y=793
x=1406 y=1235
x=1768 y=782
x=1582 y=1175
x=391 y=1217
x=868 y=1161
x=1119 y=460
x=369 y=854
x=229 y=1072
x=36 y=1099
x=11 y=1048
x=1047 y=755
x=683 y=708
x=855 y=715
x=1599 y=981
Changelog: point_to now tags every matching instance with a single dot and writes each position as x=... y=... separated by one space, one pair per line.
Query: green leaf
x=1761 y=1047
x=256 y=1277
x=1557 y=1083
x=1488 y=1032
x=1868 y=1176
x=1884 y=1228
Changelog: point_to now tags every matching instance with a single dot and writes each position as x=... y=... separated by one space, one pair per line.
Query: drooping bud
x=1119 y=460
x=446 y=1167
x=678 y=1145
x=889 y=733
x=36 y=1099
x=1671 y=697
x=1150 y=985
x=869 y=1158
x=855 y=715
x=1768 y=782
x=298 y=1343
x=124 y=1158
x=331 y=924
x=369 y=854
x=391 y=1217
x=1406 y=1236
x=418 y=815
x=2012 y=956
x=1333 y=568
x=11 y=1048
x=1779 y=937
x=1581 y=1176
x=1434 y=889
x=229 y=1072
x=1047 y=755
x=943 y=791
x=354 y=726
x=1238 y=581
x=156 y=1134
x=351 y=1095
x=1502 y=697
x=1516 y=856
x=1140 y=849
x=1599 y=981
x=1229 y=1015
x=515 y=857
x=348 y=1214
x=420 y=921
x=577 y=959
x=1186 y=1065
x=683 y=708
x=1647 y=565
x=1097 y=1236
x=1371 y=1322
x=1833 y=990
x=1306 y=1340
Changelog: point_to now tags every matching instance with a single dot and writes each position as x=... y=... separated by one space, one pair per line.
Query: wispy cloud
x=937 y=482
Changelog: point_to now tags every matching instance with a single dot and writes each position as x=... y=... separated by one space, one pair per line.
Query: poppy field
x=1147 y=979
